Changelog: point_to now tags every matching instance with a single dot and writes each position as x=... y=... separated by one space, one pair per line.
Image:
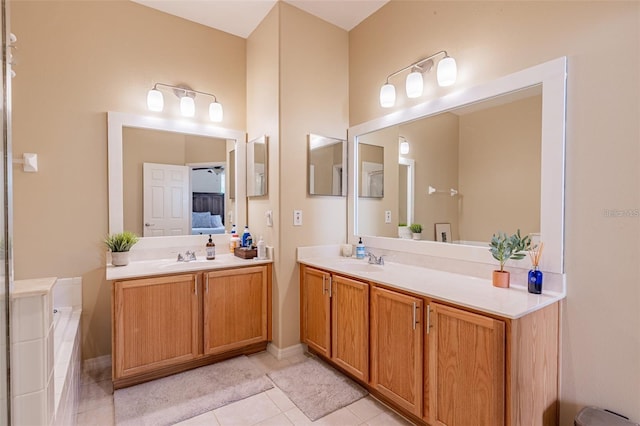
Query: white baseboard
x=281 y=353
x=96 y=363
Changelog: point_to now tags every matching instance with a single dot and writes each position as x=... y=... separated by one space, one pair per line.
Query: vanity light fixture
x=404 y=145
x=155 y=101
x=414 y=86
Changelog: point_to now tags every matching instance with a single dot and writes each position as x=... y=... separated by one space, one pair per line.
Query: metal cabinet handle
x=415 y=316
x=324 y=290
x=206 y=283
x=330 y=286
x=149 y=224
x=428 y=318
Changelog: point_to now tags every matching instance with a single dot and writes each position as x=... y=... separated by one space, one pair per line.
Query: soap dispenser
x=262 y=249
x=360 y=250
x=211 y=249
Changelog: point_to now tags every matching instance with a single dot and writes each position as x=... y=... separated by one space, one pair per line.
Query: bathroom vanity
x=442 y=348
x=170 y=316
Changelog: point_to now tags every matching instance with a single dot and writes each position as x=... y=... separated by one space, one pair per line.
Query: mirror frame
x=552 y=75
x=117 y=120
x=312 y=138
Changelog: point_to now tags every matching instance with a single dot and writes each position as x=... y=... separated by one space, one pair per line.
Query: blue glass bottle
x=535 y=281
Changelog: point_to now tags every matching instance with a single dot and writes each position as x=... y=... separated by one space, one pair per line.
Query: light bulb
x=155 y=102
x=215 y=112
x=447 y=71
x=387 y=95
x=187 y=106
x=414 y=84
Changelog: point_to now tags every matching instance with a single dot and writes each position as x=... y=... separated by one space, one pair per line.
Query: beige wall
x=76 y=61
x=601 y=314
x=499 y=177
x=434 y=147
x=309 y=47
x=287 y=101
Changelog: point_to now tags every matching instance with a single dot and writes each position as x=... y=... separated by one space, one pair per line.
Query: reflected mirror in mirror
x=257 y=167
x=371 y=170
x=326 y=166
x=488 y=152
x=174 y=183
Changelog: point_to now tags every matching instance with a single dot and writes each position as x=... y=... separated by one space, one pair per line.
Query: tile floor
x=271 y=407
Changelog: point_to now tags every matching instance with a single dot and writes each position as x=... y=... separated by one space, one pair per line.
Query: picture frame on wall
x=443 y=232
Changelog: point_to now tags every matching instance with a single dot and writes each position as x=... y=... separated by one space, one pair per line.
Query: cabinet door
x=467 y=353
x=350 y=325
x=316 y=320
x=396 y=348
x=235 y=308
x=155 y=323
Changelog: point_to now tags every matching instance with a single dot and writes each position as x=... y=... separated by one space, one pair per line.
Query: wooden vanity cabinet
x=439 y=363
x=167 y=324
x=156 y=323
x=235 y=308
x=466 y=377
x=335 y=319
x=396 y=348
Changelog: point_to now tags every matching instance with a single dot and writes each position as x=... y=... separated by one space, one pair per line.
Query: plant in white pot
x=404 y=231
x=416 y=231
x=119 y=245
x=502 y=249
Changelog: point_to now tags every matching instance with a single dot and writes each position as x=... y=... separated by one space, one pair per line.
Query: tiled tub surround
x=45 y=353
x=466 y=284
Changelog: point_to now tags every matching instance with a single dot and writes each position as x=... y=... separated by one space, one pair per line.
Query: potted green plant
x=119 y=245
x=502 y=249
x=416 y=231
x=404 y=231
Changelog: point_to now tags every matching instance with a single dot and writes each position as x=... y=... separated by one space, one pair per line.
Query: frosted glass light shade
x=387 y=95
x=414 y=84
x=215 y=112
x=155 y=102
x=404 y=147
x=447 y=71
x=187 y=106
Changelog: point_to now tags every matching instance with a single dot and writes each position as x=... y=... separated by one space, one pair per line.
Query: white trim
x=287 y=352
x=552 y=75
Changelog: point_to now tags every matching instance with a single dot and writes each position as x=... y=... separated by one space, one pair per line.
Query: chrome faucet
x=188 y=256
x=375 y=260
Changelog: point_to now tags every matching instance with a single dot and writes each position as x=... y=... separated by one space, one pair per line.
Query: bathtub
x=45 y=350
x=67 y=359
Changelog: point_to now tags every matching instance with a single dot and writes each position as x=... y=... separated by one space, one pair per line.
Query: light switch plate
x=387 y=216
x=297 y=218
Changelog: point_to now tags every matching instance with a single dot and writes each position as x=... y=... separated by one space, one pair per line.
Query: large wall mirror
x=172 y=178
x=257 y=172
x=485 y=159
x=326 y=165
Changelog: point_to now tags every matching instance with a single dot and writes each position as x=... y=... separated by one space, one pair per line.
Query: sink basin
x=167 y=264
x=351 y=265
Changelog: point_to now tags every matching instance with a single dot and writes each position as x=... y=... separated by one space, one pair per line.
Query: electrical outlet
x=387 y=216
x=297 y=218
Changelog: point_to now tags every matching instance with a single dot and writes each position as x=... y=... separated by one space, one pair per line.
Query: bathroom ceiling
x=241 y=17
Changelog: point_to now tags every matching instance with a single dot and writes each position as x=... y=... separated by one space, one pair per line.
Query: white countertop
x=462 y=290
x=146 y=268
